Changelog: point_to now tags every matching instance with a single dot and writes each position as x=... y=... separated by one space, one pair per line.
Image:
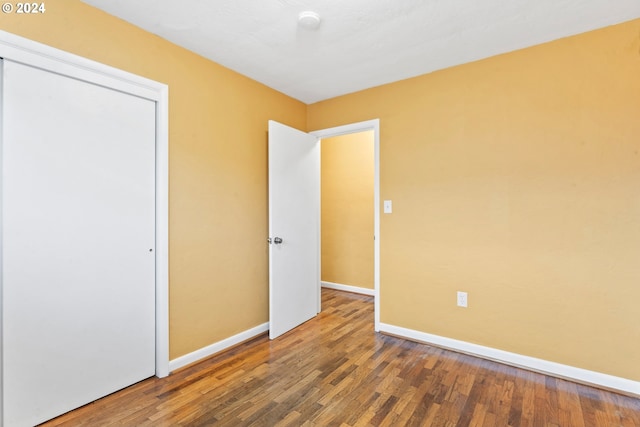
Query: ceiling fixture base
x=309 y=20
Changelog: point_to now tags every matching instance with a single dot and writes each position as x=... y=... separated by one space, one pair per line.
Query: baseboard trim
x=348 y=288
x=583 y=376
x=217 y=347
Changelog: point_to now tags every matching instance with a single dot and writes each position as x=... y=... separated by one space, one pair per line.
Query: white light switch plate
x=388 y=206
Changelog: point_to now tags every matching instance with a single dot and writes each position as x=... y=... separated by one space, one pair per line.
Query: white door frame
x=37 y=55
x=368 y=125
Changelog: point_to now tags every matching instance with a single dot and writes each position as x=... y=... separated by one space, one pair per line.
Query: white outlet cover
x=388 y=206
x=462 y=299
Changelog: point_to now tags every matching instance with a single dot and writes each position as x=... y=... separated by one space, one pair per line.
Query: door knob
x=277 y=240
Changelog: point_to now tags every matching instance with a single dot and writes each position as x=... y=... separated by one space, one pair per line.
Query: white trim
x=319 y=227
x=360 y=127
x=531 y=363
x=1 y=248
x=35 y=54
x=217 y=347
x=162 y=232
x=38 y=55
x=348 y=288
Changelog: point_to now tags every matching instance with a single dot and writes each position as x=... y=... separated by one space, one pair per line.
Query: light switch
x=388 y=206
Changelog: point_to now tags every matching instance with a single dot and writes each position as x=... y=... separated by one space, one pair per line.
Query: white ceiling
x=360 y=43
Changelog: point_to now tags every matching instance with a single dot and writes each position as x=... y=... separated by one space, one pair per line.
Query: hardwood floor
x=335 y=371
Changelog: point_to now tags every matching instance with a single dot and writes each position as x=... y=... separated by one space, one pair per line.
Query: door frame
x=41 y=56
x=368 y=125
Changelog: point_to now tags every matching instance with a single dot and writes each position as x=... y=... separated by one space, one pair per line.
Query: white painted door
x=78 y=210
x=294 y=228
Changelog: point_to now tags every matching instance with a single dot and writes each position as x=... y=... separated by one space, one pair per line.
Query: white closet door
x=77 y=242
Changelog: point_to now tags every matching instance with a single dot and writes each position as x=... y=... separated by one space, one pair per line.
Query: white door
x=294 y=228
x=78 y=208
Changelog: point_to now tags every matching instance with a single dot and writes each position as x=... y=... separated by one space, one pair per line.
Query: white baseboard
x=217 y=347
x=348 y=288
x=530 y=363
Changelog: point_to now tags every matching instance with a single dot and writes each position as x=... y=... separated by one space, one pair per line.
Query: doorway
x=372 y=126
x=67 y=198
x=347 y=170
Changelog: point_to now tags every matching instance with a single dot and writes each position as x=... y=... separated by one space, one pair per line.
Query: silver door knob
x=277 y=240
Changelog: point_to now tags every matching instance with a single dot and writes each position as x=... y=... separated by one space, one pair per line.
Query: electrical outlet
x=462 y=299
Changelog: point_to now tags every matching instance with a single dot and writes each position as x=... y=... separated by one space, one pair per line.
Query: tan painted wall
x=347 y=209
x=218 y=167
x=516 y=179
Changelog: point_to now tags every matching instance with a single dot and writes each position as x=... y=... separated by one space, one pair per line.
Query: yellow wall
x=218 y=167
x=516 y=179
x=347 y=209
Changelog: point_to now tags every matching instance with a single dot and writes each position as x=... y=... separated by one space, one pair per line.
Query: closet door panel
x=78 y=236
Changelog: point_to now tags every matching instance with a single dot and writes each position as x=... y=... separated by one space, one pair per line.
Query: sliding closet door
x=78 y=235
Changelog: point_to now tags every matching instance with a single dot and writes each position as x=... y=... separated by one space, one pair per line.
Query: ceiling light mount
x=309 y=20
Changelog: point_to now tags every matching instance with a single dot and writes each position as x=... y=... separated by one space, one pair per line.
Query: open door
x=294 y=228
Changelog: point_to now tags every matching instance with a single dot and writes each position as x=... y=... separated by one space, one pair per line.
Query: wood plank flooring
x=335 y=371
